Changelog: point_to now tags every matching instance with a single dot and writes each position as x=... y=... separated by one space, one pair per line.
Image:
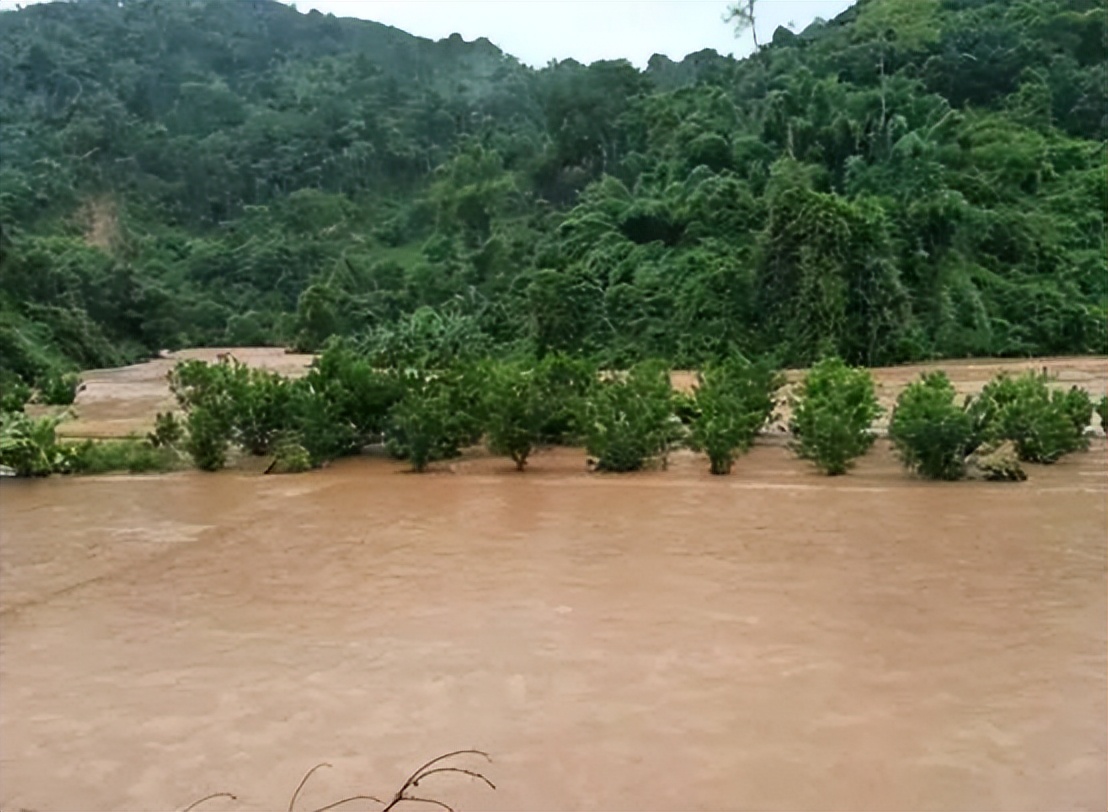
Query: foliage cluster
x=833 y=413
x=131 y=455
x=931 y=432
x=31 y=448
x=628 y=419
x=913 y=179
x=732 y=402
x=1044 y=424
x=625 y=420
x=934 y=435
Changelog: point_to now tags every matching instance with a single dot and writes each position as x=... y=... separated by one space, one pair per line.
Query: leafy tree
x=358 y=394
x=932 y=434
x=1023 y=410
x=203 y=391
x=517 y=408
x=320 y=426
x=1078 y=407
x=833 y=412
x=741 y=13
x=260 y=407
x=732 y=402
x=628 y=420
x=425 y=425
x=565 y=383
x=913 y=179
x=209 y=435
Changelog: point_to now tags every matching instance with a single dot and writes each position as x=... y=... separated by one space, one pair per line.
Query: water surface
x=665 y=640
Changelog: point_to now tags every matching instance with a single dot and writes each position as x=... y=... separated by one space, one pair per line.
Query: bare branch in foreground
x=303 y=781
x=425 y=771
x=207 y=798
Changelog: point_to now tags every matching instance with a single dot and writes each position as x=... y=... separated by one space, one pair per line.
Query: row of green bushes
x=934 y=434
x=625 y=421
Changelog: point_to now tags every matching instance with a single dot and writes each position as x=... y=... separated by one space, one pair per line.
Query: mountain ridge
x=912 y=179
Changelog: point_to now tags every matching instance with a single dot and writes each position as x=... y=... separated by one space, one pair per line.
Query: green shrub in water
x=289 y=456
x=427 y=425
x=732 y=402
x=832 y=413
x=1078 y=407
x=132 y=455
x=931 y=433
x=1022 y=409
x=629 y=421
x=209 y=436
x=517 y=408
x=169 y=431
x=566 y=382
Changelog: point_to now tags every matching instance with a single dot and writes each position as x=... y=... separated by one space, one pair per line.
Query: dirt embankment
x=118 y=402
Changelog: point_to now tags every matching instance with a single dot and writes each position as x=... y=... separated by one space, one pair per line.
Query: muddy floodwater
x=662 y=641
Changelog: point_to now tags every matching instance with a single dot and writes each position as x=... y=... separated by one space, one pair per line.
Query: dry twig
x=206 y=798
x=401 y=796
x=303 y=781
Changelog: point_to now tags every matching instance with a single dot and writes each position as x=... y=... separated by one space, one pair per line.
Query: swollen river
x=663 y=641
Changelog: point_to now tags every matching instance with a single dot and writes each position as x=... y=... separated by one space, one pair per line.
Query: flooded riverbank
x=664 y=640
x=124 y=400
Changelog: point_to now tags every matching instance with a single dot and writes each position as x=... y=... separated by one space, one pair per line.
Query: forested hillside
x=915 y=179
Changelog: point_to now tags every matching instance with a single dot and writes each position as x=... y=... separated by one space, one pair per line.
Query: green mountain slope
x=917 y=178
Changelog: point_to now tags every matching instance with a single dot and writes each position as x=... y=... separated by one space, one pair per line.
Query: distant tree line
x=915 y=179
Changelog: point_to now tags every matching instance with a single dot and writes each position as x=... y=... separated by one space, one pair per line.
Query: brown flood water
x=663 y=641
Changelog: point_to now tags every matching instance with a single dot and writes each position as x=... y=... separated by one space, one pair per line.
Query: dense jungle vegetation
x=914 y=179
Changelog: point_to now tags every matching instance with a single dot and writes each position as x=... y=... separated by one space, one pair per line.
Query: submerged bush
x=516 y=409
x=629 y=421
x=832 y=414
x=932 y=434
x=132 y=455
x=289 y=456
x=1078 y=407
x=169 y=431
x=1102 y=410
x=355 y=393
x=566 y=383
x=30 y=446
x=1042 y=425
x=209 y=437
x=426 y=425
x=732 y=402
x=259 y=409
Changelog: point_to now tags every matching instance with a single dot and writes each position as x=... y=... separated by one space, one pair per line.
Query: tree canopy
x=913 y=179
